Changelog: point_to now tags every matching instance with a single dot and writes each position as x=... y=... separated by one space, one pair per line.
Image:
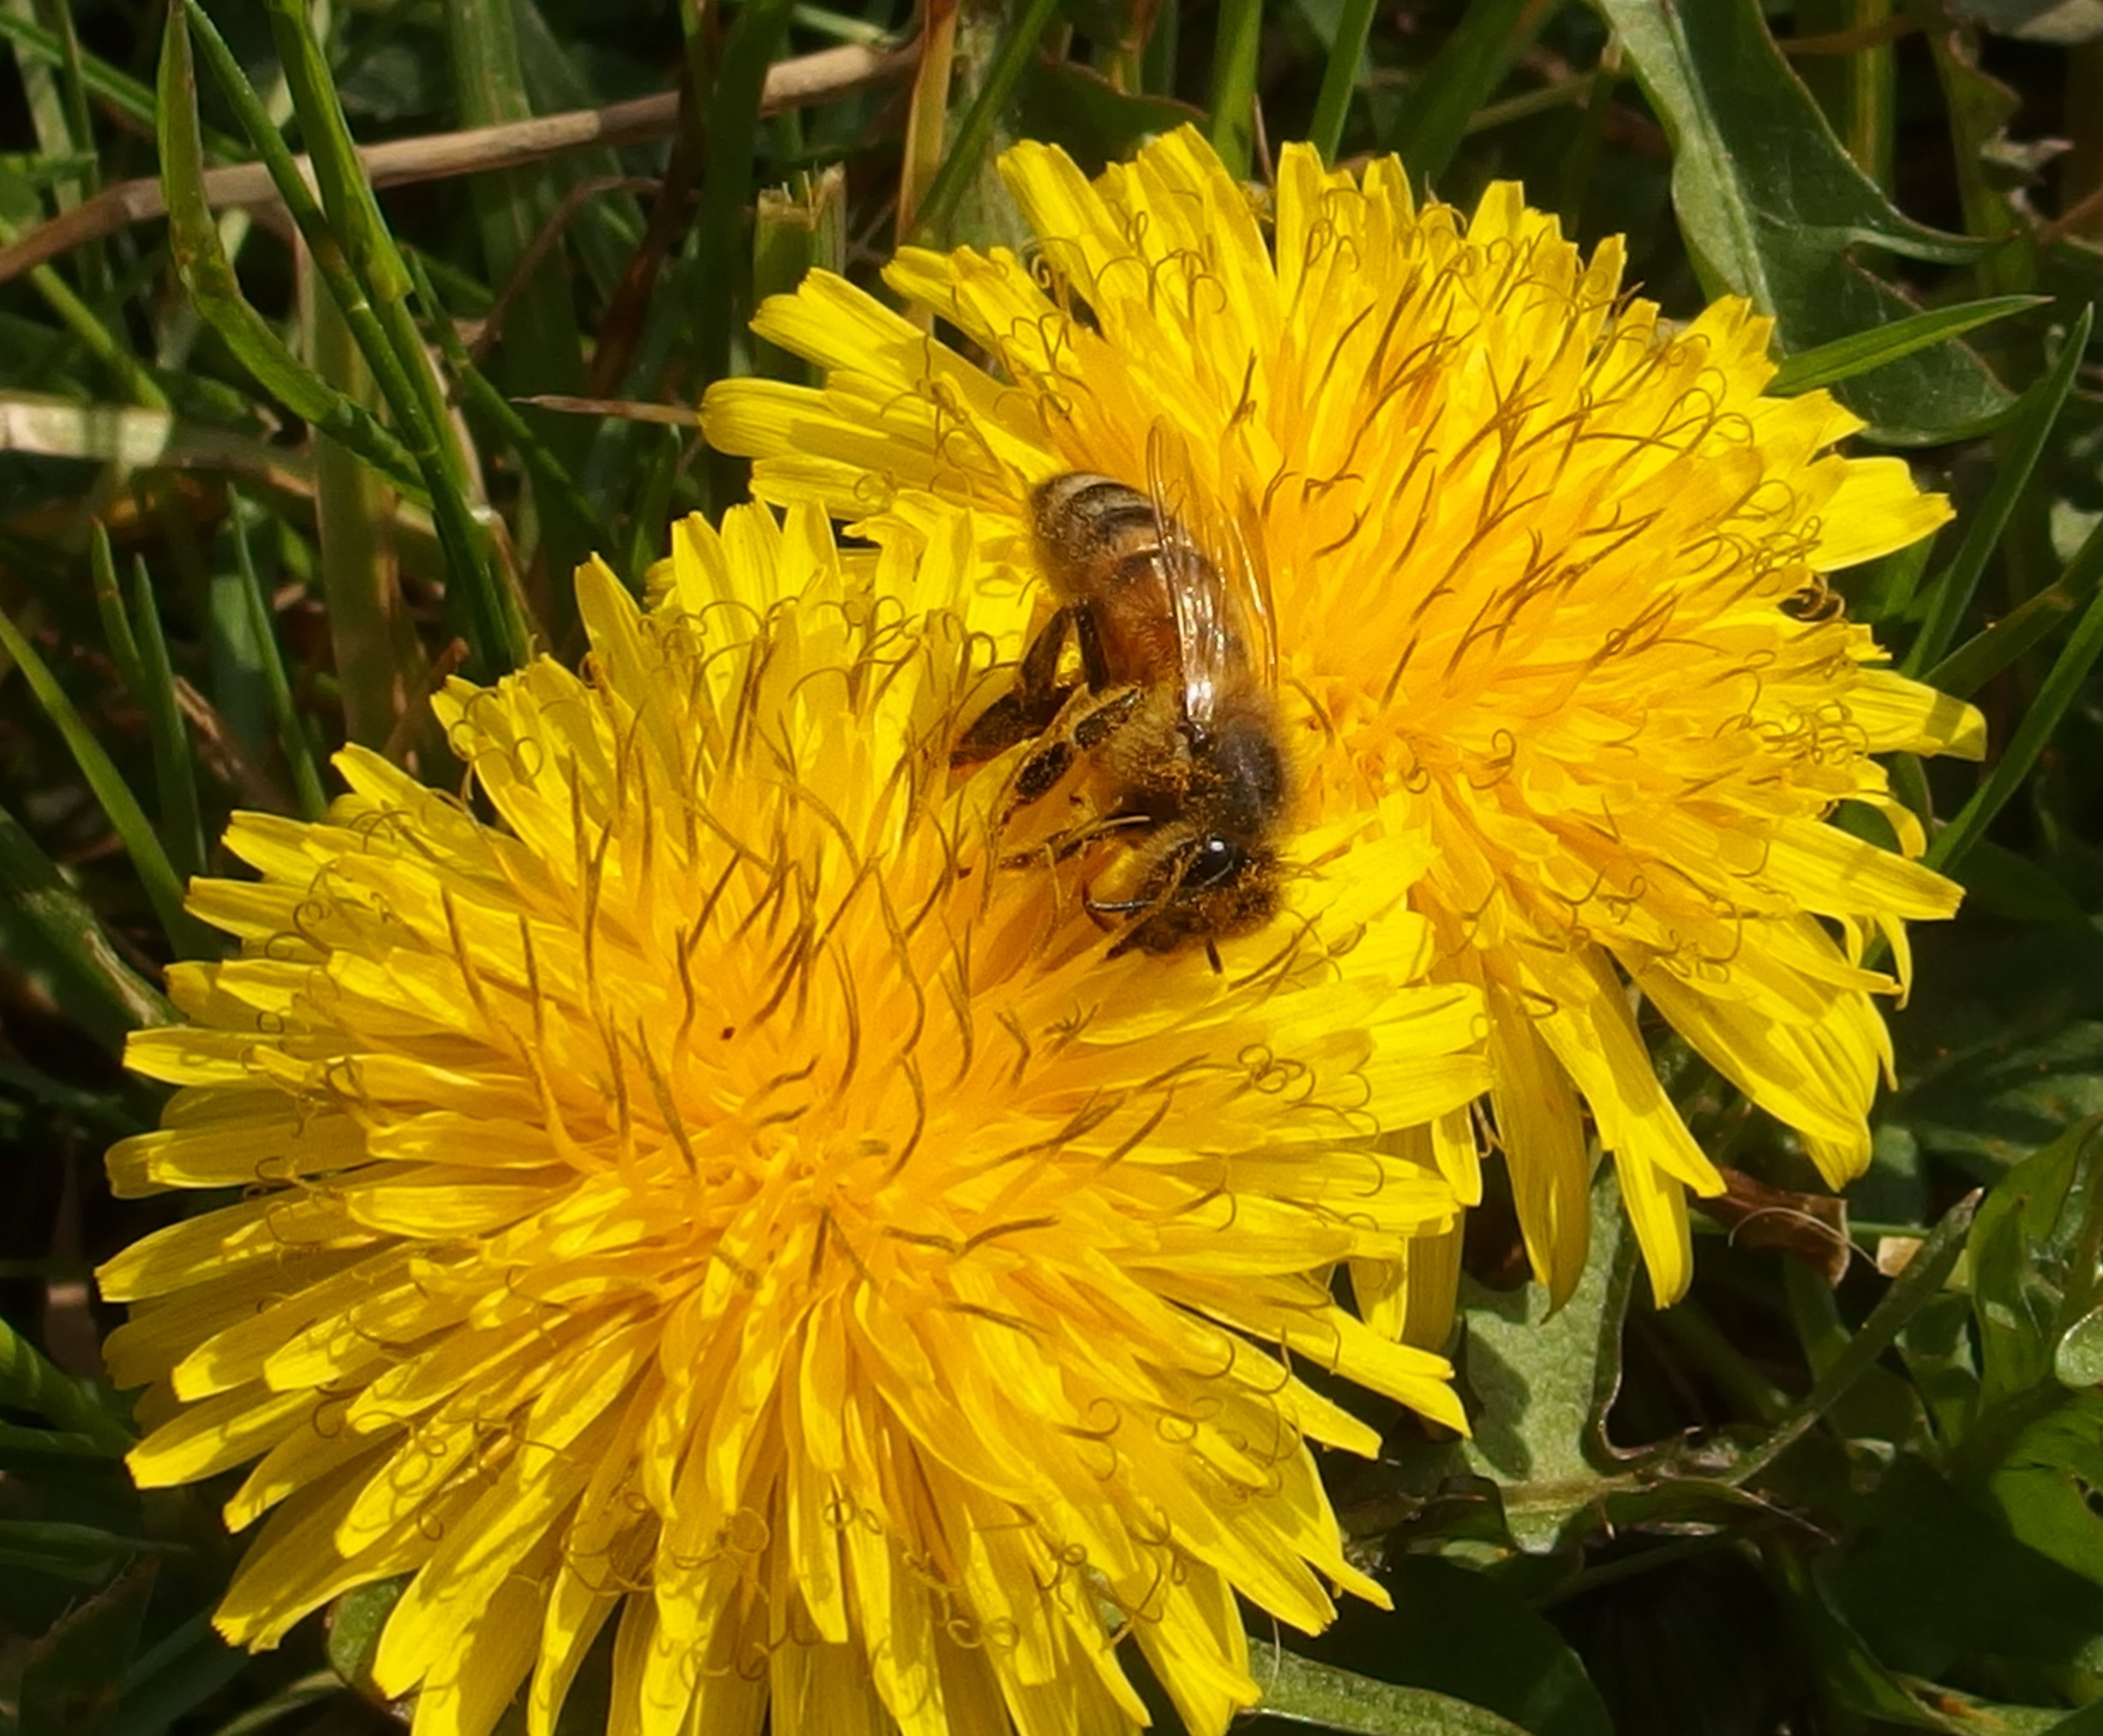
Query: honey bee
x=1174 y=705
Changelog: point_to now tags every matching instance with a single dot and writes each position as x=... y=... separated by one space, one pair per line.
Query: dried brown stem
x=792 y=84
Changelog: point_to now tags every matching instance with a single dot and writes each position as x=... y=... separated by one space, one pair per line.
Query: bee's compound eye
x=1215 y=860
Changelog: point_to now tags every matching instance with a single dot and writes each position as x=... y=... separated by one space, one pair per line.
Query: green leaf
x=2047 y=1479
x=2030 y=624
x=1851 y=1673
x=1459 y=1632
x=118 y=91
x=1934 y=1585
x=291 y=730
x=356 y=1621
x=1298 y=1691
x=2078 y=1361
x=1846 y=358
x=2028 y=1281
x=1538 y=1382
x=1771 y=207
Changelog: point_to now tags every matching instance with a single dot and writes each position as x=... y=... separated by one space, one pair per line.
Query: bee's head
x=1203 y=886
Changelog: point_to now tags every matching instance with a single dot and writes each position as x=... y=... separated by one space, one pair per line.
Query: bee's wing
x=1219 y=596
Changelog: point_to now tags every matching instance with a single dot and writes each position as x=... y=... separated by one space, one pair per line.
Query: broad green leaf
x=2007 y=1047
x=1932 y=1583
x=1460 y=1632
x=2046 y=1480
x=2078 y=1361
x=1771 y=208
x=1298 y=1692
x=1538 y=1383
x=2025 y=1254
x=1849 y=1671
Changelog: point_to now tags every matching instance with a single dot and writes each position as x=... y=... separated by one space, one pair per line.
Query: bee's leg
x=1026 y=709
x=1069 y=737
x=1094 y=664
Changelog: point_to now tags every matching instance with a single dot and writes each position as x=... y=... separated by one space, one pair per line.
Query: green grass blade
x=486 y=611
x=1984 y=656
x=1888 y=590
x=29 y=1382
x=1458 y=80
x=2062 y=686
x=733 y=127
x=109 y=606
x=94 y=334
x=1340 y=77
x=114 y=88
x=1845 y=357
x=540 y=348
x=547 y=469
x=378 y=660
x=975 y=132
x=189 y=937
x=1232 y=102
x=49 y=930
x=208 y=276
x=2036 y=413
x=291 y=729
x=175 y=777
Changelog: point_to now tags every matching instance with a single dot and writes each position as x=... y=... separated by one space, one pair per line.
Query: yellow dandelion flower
x=719 y=1198
x=1547 y=576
